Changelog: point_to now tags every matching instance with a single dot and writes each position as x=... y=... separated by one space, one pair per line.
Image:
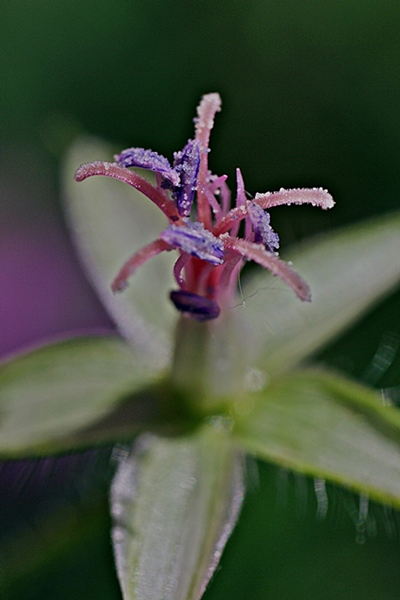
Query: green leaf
x=110 y=222
x=50 y=394
x=325 y=426
x=174 y=504
x=348 y=271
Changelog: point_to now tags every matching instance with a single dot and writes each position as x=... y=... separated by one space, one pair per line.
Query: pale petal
x=110 y=221
x=174 y=504
x=49 y=396
x=348 y=271
x=323 y=425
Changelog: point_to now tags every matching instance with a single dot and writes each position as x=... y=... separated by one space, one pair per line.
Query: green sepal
x=56 y=398
x=323 y=425
x=348 y=271
x=174 y=504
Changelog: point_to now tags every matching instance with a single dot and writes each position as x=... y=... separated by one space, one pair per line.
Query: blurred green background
x=310 y=94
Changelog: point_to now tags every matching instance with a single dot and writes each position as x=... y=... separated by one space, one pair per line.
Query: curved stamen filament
x=207 y=281
x=315 y=196
x=230 y=273
x=240 y=200
x=220 y=183
x=133 y=179
x=234 y=216
x=216 y=182
x=213 y=202
x=137 y=260
x=208 y=107
x=269 y=261
x=178 y=268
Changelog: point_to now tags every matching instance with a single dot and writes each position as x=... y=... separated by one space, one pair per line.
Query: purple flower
x=202 y=228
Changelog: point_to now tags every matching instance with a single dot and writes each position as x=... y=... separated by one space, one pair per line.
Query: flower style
x=202 y=226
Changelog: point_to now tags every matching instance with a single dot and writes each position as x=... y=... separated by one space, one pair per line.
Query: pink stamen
x=123 y=174
x=315 y=196
x=191 y=272
x=229 y=275
x=218 y=186
x=240 y=195
x=203 y=206
x=234 y=216
x=269 y=261
x=240 y=200
x=178 y=268
x=216 y=182
x=204 y=281
x=210 y=104
x=226 y=197
x=137 y=260
x=216 y=208
x=224 y=191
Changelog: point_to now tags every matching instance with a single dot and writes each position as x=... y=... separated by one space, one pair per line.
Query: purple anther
x=186 y=163
x=148 y=159
x=195 y=306
x=263 y=231
x=196 y=241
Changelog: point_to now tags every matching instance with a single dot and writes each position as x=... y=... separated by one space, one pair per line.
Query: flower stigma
x=201 y=225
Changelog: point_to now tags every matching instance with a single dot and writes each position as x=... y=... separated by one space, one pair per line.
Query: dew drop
x=322 y=498
x=188 y=483
x=221 y=423
x=383 y=358
x=361 y=525
x=118 y=535
x=116 y=510
x=255 y=380
x=119 y=453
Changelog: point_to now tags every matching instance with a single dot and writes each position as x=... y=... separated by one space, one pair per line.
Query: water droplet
x=188 y=483
x=383 y=358
x=255 y=380
x=221 y=423
x=116 y=510
x=322 y=498
x=118 y=535
x=361 y=525
x=119 y=454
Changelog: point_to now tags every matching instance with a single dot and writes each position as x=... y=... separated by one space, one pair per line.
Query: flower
x=177 y=494
x=202 y=227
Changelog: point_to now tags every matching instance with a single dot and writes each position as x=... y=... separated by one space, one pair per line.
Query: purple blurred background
x=44 y=293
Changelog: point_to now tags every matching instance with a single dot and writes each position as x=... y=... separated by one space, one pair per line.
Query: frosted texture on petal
x=347 y=271
x=174 y=504
x=110 y=221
